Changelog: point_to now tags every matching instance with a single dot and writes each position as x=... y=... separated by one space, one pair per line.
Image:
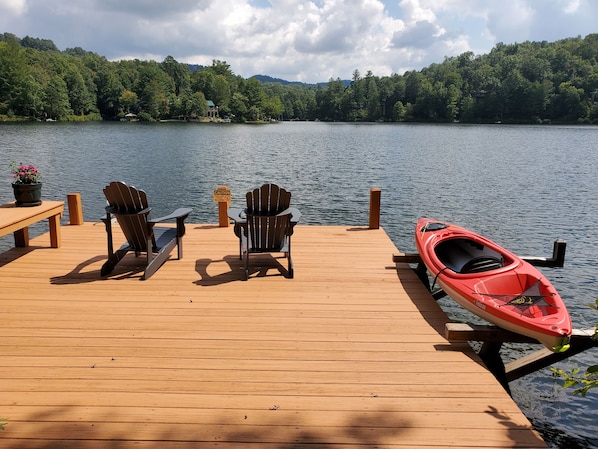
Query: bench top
x=13 y=218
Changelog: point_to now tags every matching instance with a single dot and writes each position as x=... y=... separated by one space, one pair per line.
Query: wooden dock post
x=75 y=209
x=222 y=196
x=375 y=196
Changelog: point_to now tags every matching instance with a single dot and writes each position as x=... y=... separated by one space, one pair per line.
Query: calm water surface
x=522 y=186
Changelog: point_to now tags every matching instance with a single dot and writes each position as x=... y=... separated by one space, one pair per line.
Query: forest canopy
x=528 y=82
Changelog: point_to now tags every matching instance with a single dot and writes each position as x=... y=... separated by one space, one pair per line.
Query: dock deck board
x=348 y=354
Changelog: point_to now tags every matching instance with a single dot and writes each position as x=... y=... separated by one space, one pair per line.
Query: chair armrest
x=295 y=214
x=181 y=213
x=236 y=214
x=116 y=211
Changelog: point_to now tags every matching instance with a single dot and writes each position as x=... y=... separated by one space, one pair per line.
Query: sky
x=297 y=40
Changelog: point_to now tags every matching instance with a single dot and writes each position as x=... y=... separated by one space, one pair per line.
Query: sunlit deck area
x=348 y=354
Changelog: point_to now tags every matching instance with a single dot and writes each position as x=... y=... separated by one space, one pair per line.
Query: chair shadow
x=78 y=276
x=236 y=271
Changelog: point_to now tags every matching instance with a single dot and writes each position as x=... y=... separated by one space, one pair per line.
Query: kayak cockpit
x=464 y=256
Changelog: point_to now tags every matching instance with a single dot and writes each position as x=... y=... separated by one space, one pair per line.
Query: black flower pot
x=27 y=195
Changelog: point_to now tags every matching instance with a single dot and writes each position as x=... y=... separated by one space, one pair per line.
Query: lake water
x=521 y=186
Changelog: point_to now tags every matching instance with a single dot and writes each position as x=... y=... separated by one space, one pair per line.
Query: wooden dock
x=348 y=354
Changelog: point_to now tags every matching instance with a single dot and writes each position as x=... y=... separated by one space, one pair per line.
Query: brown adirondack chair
x=266 y=225
x=130 y=207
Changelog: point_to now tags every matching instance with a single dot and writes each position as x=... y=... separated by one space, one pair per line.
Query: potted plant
x=27 y=185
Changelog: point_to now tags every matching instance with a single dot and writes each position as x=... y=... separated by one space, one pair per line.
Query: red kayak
x=493 y=283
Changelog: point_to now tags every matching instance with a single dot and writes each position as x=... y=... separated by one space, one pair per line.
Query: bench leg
x=55 y=231
x=22 y=237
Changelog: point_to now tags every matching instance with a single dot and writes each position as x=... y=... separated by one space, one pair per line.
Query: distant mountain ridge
x=270 y=79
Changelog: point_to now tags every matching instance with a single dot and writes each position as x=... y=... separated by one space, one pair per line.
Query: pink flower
x=25 y=174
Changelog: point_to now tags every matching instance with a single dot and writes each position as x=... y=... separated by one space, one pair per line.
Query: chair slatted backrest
x=268 y=199
x=267 y=232
x=126 y=203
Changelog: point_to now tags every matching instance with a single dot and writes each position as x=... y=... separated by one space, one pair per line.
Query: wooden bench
x=18 y=219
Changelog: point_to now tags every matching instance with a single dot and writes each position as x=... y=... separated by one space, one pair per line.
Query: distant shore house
x=212 y=110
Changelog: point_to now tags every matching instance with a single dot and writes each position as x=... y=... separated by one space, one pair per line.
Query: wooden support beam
x=478 y=332
x=581 y=340
x=406 y=258
x=437 y=294
x=556 y=261
x=493 y=337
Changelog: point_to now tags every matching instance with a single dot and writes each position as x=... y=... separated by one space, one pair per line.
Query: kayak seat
x=481 y=264
x=463 y=255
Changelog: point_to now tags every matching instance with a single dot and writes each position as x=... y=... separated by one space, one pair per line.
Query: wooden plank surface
x=14 y=218
x=349 y=353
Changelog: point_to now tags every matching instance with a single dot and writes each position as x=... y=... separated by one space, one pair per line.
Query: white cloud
x=17 y=7
x=297 y=39
x=571 y=7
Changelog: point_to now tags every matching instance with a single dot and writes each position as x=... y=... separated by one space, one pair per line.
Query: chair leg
x=291 y=270
x=246 y=259
x=113 y=259
x=158 y=259
x=179 y=244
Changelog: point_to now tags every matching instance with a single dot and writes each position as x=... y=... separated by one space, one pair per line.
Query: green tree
x=239 y=106
x=179 y=73
x=372 y=97
x=354 y=100
x=254 y=91
x=385 y=92
x=467 y=109
x=109 y=91
x=128 y=100
x=56 y=99
x=81 y=100
x=566 y=104
x=154 y=100
x=192 y=105
x=215 y=86
x=155 y=88
x=39 y=44
x=273 y=107
x=520 y=82
x=222 y=68
x=329 y=100
x=203 y=81
x=452 y=103
x=399 y=112
x=14 y=76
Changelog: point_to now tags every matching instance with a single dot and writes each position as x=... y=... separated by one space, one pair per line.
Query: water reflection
x=522 y=186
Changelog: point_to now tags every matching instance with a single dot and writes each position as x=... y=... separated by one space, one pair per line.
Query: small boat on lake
x=493 y=283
